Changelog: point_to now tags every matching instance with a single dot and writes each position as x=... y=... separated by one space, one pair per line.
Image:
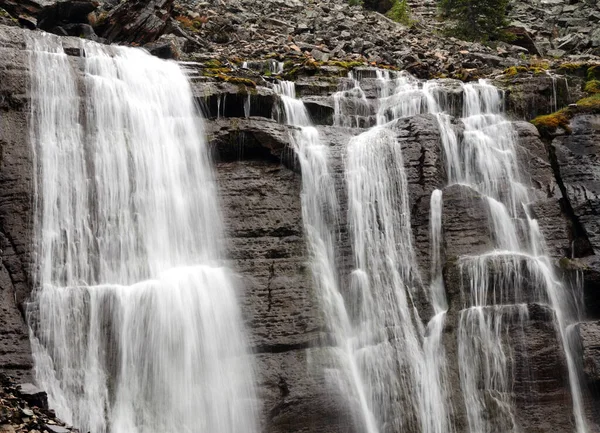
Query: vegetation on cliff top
x=476 y=20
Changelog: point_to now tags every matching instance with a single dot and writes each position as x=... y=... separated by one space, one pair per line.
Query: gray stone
x=53 y=428
x=579 y=173
x=589 y=334
x=33 y=395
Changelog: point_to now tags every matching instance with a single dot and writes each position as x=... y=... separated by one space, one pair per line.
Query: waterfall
x=134 y=320
x=320 y=213
x=374 y=324
x=392 y=368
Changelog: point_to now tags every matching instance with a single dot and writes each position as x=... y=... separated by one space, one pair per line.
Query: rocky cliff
x=317 y=43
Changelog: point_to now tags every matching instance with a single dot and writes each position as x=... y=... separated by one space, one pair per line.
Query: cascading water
x=375 y=327
x=393 y=369
x=135 y=323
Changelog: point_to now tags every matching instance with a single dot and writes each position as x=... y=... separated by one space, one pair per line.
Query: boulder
x=33 y=395
x=137 y=21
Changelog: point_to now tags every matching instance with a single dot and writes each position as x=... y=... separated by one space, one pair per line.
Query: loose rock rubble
x=24 y=408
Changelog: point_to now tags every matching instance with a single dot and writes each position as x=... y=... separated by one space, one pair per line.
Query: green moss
x=592 y=86
x=593 y=72
x=590 y=104
x=565 y=263
x=537 y=68
x=514 y=70
x=213 y=63
x=549 y=123
x=578 y=69
x=344 y=64
x=572 y=66
x=236 y=80
x=231 y=79
x=292 y=73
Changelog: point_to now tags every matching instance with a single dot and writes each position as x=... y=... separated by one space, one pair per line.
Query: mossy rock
x=592 y=86
x=590 y=104
x=231 y=79
x=549 y=123
x=515 y=70
x=593 y=72
x=578 y=69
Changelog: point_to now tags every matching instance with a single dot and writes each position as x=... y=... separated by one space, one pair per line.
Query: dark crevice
x=581 y=243
x=280 y=347
x=269 y=289
x=13 y=280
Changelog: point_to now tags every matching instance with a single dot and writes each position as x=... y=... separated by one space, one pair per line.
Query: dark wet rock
x=589 y=334
x=590 y=268
x=47 y=14
x=222 y=99
x=464 y=232
x=579 y=172
x=528 y=95
x=251 y=138
x=137 y=21
x=523 y=39
x=15 y=205
x=33 y=395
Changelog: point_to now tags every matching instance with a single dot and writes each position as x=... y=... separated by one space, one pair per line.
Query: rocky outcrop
x=589 y=333
x=16 y=199
x=136 y=21
x=579 y=170
x=24 y=408
x=559 y=27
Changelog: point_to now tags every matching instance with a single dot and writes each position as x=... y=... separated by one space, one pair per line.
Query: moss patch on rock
x=592 y=86
x=549 y=123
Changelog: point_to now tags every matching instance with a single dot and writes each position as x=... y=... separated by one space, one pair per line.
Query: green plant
x=400 y=12
x=479 y=20
x=355 y=2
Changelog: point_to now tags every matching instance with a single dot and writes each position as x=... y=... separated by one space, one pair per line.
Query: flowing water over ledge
x=135 y=313
x=391 y=368
x=135 y=323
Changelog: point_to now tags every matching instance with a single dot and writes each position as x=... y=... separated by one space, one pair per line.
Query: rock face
x=559 y=27
x=260 y=186
x=16 y=198
x=137 y=21
x=577 y=159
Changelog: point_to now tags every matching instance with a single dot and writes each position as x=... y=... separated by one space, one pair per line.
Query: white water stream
x=392 y=368
x=135 y=322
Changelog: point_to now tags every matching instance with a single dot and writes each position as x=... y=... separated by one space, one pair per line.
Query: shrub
x=400 y=12
x=381 y=6
x=475 y=19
